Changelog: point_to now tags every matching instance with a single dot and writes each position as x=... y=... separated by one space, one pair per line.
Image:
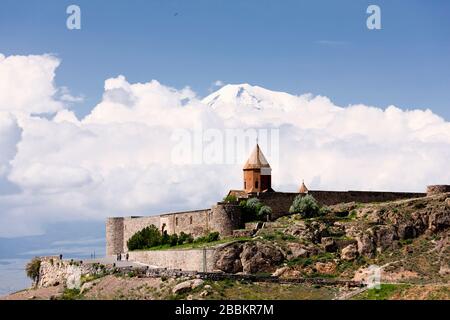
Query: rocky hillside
x=408 y=240
x=348 y=238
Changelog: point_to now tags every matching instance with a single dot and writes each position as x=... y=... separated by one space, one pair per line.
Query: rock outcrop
x=249 y=257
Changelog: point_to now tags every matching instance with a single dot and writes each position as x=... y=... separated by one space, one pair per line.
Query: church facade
x=226 y=217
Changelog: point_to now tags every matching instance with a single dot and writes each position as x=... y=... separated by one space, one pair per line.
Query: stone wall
x=54 y=271
x=193 y=222
x=437 y=189
x=187 y=260
x=114 y=235
x=131 y=225
x=280 y=202
x=225 y=218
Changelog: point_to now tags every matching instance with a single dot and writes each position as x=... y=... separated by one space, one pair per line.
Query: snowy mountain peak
x=245 y=96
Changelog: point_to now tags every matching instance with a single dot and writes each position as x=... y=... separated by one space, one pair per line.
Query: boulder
x=280 y=271
x=186 y=286
x=196 y=283
x=325 y=267
x=297 y=250
x=328 y=244
x=349 y=253
x=227 y=258
x=182 y=287
x=366 y=244
x=260 y=257
x=439 y=220
x=86 y=287
x=385 y=236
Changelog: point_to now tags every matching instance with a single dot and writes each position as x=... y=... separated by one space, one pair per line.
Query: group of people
x=119 y=257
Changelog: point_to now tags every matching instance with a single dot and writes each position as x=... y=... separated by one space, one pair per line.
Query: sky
x=132 y=114
x=321 y=47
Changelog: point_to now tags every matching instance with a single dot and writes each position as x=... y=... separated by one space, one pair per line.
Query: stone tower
x=257 y=173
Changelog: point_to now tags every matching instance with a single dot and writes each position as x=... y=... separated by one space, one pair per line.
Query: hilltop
x=407 y=239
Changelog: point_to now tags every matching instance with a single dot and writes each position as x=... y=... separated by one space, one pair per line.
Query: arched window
x=176 y=221
x=190 y=220
x=256 y=184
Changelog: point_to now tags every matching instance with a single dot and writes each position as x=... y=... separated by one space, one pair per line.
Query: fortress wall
x=436 y=189
x=186 y=260
x=114 y=235
x=131 y=225
x=335 y=197
x=280 y=202
x=193 y=222
x=225 y=218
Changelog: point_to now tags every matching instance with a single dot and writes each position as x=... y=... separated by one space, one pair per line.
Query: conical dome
x=256 y=160
x=303 y=188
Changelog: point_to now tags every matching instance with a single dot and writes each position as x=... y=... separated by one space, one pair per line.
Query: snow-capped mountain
x=245 y=96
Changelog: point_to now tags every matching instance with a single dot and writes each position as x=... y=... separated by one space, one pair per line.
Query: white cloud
x=26 y=84
x=118 y=159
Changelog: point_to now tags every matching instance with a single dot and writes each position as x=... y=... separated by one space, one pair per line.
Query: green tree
x=173 y=240
x=264 y=211
x=146 y=238
x=33 y=268
x=306 y=206
x=231 y=198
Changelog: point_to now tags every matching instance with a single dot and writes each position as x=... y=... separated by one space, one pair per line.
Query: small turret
x=303 y=188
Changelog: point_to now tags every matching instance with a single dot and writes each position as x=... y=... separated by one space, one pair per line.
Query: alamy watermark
x=373 y=280
x=223 y=146
x=73 y=21
x=374 y=20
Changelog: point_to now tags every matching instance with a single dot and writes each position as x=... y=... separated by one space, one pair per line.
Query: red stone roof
x=257 y=160
x=303 y=188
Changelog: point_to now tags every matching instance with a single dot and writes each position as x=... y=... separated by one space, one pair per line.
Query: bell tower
x=257 y=173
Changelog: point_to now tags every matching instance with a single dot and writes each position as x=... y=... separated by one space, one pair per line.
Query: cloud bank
x=118 y=160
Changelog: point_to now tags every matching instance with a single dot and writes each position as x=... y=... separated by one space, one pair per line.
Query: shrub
x=306 y=206
x=190 y=238
x=264 y=211
x=212 y=236
x=251 y=209
x=32 y=269
x=231 y=198
x=165 y=239
x=182 y=238
x=146 y=238
x=253 y=204
x=173 y=240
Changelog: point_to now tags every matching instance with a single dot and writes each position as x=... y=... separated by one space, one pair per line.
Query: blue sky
x=322 y=47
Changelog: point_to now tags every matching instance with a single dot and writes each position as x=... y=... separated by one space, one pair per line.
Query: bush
x=32 y=269
x=306 y=206
x=264 y=212
x=212 y=236
x=146 y=238
x=251 y=209
x=182 y=238
x=173 y=240
x=165 y=239
x=253 y=204
x=231 y=198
